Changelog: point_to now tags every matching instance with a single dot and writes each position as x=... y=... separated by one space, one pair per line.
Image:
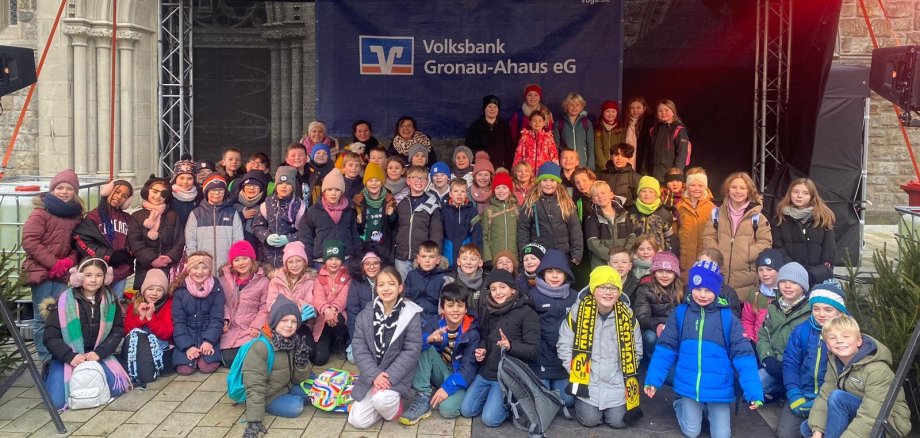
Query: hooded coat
x=520 y=324
x=493 y=138
x=170 y=242
x=416 y=225
x=624 y=182
x=463 y=357
x=578 y=136
x=317 y=227
x=602 y=234
x=552 y=312
x=197 y=320
x=813 y=247
x=46 y=238
x=263 y=385
x=740 y=248
x=690 y=229
x=545 y=225
x=245 y=307
x=499 y=227
x=778 y=325
x=277 y=216
x=400 y=361
x=670 y=148
x=461 y=226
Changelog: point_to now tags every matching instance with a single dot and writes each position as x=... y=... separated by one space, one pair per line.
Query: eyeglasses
x=371 y=263
x=417 y=178
x=606 y=289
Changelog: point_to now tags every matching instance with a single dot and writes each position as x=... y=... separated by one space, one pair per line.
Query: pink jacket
x=754 y=313
x=329 y=291
x=300 y=294
x=536 y=149
x=244 y=308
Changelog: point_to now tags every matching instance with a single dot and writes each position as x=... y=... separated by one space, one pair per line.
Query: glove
x=60 y=267
x=272 y=240
x=120 y=257
x=308 y=312
x=160 y=262
x=798 y=404
x=253 y=429
x=773 y=366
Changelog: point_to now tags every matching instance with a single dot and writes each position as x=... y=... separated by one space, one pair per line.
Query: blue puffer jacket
x=196 y=320
x=704 y=364
x=277 y=216
x=553 y=312
x=461 y=226
x=424 y=288
x=463 y=358
x=805 y=360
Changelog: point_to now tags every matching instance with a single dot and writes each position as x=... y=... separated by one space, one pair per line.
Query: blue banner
x=434 y=60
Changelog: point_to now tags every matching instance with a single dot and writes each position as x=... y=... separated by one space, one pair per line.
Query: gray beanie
x=795 y=273
x=286 y=175
x=282 y=307
x=465 y=150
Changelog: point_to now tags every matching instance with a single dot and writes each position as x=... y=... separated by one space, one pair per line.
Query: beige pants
x=383 y=404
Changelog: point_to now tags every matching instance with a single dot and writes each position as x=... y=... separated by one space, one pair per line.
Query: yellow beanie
x=648 y=182
x=605 y=275
x=373 y=171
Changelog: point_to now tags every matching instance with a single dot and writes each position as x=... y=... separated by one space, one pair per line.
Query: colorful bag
x=331 y=390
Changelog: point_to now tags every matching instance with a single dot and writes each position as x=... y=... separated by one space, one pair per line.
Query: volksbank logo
x=386 y=55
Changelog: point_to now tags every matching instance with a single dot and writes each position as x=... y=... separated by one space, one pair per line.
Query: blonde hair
x=824 y=217
x=417 y=170
x=517 y=166
x=843 y=323
x=575 y=98
x=670 y=104
x=753 y=194
x=597 y=185
x=642 y=238
x=562 y=198
x=349 y=157
x=179 y=281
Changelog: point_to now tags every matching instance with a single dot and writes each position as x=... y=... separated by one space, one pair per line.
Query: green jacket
x=262 y=387
x=499 y=227
x=867 y=376
x=774 y=334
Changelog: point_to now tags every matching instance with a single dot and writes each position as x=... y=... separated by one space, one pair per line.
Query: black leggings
x=331 y=336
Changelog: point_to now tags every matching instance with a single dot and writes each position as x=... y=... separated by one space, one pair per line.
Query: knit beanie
x=282 y=307
x=183 y=167
x=828 y=293
x=65 y=176
x=770 y=258
x=605 y=275
x=665 y=261
x=648 y=182
x=334 y=180
x=463 y=150
x=416 y=148
x=214 y=182
x=333 y=248
x=550 y=170
x=610 y=104
x=255 y=178
x=491 y=99
x=500 y=276
x=698 y=177
x=286 y=175
x=293 y=249
x=502 y=179
x=534 y=249
x=509 y=255
x=795 y=273
x=204 y=164
x=439 y=167
x=241 y=248
x=373 y=171
x=155 y=277
x=483 y=165
x=535 y=88
x=109 y=188
x=705 y=274
x=320 y=147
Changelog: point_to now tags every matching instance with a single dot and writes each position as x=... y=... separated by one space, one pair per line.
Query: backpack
x=561 y=125
x=755 y=221
x=681 y=311
x=88 y=388
x=235 y=389
x=533 y=407
x=331 y=390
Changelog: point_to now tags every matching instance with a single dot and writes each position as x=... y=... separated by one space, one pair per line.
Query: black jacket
x=544 y=225
x=89 y=322
x=170 y=242
x=670 y=147
x=494 y=139
x=808 y=245
x=651 y=309
x=623 y=182
x=521 y=326
x=316 y=227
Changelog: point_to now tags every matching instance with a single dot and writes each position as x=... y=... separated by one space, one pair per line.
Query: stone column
x=104 y=109
x=79 y=102
x=287 y=135
x=126 y=141
x=277 y=155
x=297 y=124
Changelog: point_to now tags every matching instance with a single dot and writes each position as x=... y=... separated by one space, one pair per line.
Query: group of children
x=424 y=274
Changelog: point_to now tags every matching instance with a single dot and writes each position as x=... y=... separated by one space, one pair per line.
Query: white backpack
x=88 y=388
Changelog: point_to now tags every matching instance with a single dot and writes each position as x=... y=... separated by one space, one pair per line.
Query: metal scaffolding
x=771 y=84
x=175 y=88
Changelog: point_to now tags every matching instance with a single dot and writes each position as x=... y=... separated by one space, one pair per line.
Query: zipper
x=699 y=352
x=818 y=362
x=214 y=229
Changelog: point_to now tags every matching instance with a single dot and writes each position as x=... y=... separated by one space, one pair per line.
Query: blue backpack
x=235 y=389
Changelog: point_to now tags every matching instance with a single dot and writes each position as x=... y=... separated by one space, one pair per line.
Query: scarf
x=105 y=221
x=767 y=291
x=647 y=209
x=641 y=267
x=374 y=204
x=462 y=173
x=152 y=223
x=473 y=282
x=385 y=326
x=185 y=195
x=787 y=307
x=608 y=127
x=156 y=351
x=493 y=308
x=583 y=346
x=802 y=215
x=394 y=186
x=248 y=202
x=480 y=194
x=296 y=346
x=559 y=292
x=335 y=210
x=72 y=332
x=736 y=215
x=59 y=208
x=402 y=145
x=201 y=292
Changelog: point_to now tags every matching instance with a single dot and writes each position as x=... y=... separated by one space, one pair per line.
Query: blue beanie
x=828 y=293
x=550 y=170
x=439 y=167
x=705 y=274
x=320 y=147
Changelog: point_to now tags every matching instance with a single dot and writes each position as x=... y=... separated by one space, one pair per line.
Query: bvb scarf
x=583 y=326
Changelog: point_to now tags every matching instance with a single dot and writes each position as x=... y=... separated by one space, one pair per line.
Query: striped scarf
x=385 y=326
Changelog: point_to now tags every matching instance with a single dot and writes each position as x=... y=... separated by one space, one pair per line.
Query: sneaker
x=418 y=410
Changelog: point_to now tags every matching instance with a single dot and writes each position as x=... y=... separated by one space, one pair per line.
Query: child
x=533 y=94
x=548 y=216
x=536 y=145
x=258 y=161
x=198 y=316
x=805 y=358
x=296 y=157
x=378 y=156
x=857 y=381
x=147 y=351
x=643 y=251
x=758 y=301
x=575 y=131
x=387 y=348
x=620 y=259
x=804 y=230
x=582 y=180
x=230 y=162
x=608 y=133
x=319 y=166
x=649 y=216
x=440 y=181
x=673 y=189
x=481 y=190
x=735 y=303
x=375 y=207
x=701 y=336
x=330 y=295
x=185 y=194
x=418 y=155
x=693 y=210
x=419 y=220
x=351 y=171
x=607 y=225
x=552 y=296
x=204 y=168
x=293 y=280
x=363 y=269
x=492 y=133
x=332 y=218
x=247 y=197
x=279 y=216
x=214 y=225
x=470 y=275
x=448 y=362
x=396 y=178
x=500 y=219
x=463 y=164
x=84 y=324
x=568 y=162
x=522 y=174
x=424 y=283
x=154 y=235
x=531 y=256
x=47 y=239
x=505 y=259
x=606 y=387
x=103 y=233
x=245 y=287
x=508 y=325
x=461 y=222
x=622 y=177
x=669 y=145
x=788 y=310
x=656 y=299
x=276 y=391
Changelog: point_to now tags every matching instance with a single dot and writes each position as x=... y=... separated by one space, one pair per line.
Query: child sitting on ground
x=147 y=351
x=330 y=296
x=198 y=315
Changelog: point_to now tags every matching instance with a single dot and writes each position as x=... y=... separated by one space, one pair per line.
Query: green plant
x=11 y=289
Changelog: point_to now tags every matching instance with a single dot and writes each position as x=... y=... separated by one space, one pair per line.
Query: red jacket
x=161 y=325
x=536 y=149
x=45 y=239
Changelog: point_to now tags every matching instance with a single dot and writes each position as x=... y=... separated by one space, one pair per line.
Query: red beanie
x=610 y=104
x=502 y=179
x=241 y=248
x=533 y=87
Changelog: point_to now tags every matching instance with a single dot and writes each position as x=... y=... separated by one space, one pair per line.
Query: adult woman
x=492 y=134
x=316 y=134
x=520 y=121
x=155 y=236
x=408 y=135
x=670 y=145
x=637 y=126
x=362 y=131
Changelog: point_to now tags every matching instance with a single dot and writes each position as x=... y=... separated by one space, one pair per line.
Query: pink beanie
x=65 y=176
x=241 y=248
x=293 y=249
x=665 y=261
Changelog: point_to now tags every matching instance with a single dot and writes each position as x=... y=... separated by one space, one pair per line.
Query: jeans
x=41 y=291
x=118 y=288
x=772 y=386
x=690 y=417
x=403 y=267
x=841 y=409
x=431 y=374
x=789 y=425
x=559 y=385
x=288 y=405
x=485 y=396
x=54 y=383
x=649 y=339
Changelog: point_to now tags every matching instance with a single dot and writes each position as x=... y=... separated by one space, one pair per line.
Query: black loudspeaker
x=17 y=69
x=894 y=75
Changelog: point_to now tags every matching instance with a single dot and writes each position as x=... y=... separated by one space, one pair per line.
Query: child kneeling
x=700 y=345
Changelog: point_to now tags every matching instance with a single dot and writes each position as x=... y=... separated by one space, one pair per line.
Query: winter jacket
x=244 y=307
x=461 y=226
x=754 y=312
x=90 y=315
x=670 y=147
x=281 y=217
x=475 y=285
x=499 y=227
x=520 y=121
x=734 y=302
x=400 y=361
x=353 y=186
x=552 y=314
x=536 y=148
x=867 y=376
x=704 y=363
x=604 y=143
x=624 y=182
x=416 y=225
x=330 y=290
x=170 y=242
x=197 y=320
x=463 y=357
x=652 y=309
x=606 y=388
x=160 y=324
x=493 y=138
x=213 y=228
x=630 y=286
x=47 y=238
x=520 y=324
x=91 y=241
x=805 y=360
x=740 y=248
x=812 y=247
x=360 y=293
x=263 y=387
x=692 y=221
x=602 y=234
x=424 y=289
x=184 y=209
x=544 y=224
x=659 y=224
x=375 y=225
x=301 y=294
x=773 y=336
x=316 y=227
x=578 y=136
